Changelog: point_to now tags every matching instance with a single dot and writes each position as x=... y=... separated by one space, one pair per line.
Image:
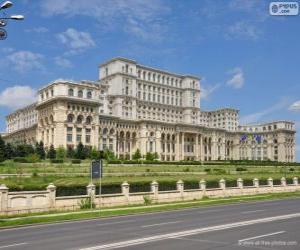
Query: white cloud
x=258 y=116
x=23 y=61
x=295 y=106
x=76 y=40
x=37 y=30
x=17 y=96
x=63 y=62
x=237 y=80
x=136 y=17
x=243 y=30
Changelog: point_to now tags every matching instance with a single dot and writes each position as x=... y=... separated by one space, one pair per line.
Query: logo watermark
x=284 y=8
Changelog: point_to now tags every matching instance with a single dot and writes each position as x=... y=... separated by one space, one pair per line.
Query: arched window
x=80 y=93
x=71 y=92
x=79 y=119
x=89 y=120
x=70 y=118
x=89 y=94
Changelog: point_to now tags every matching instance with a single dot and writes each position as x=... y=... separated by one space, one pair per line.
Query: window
x=89 y=94
x=78 y=138
x=80 y=93
x=79 y=119
x=70 y=118
x=87 y=138
x=89 y=120
x=69 y=138
x=71 y=92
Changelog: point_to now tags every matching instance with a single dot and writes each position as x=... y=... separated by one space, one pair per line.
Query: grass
x=58 y=217
x=69 y=174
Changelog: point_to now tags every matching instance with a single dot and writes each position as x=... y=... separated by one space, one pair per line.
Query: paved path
x=255 y=225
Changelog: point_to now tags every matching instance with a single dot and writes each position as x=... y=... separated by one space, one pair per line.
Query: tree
x=9 y=151
x=60 y=153
x=20 y=151
x=51 y=152
x=80 y=152
x=40 y=150
x=94 y=154
x=137 y=155
x=152 y=156
x=70 y=152
x=2 y=150
x=109 y=155
x=87 y=151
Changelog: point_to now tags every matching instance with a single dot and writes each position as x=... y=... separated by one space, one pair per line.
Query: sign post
x=96 y=173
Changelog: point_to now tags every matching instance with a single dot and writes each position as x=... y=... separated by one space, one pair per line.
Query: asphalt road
x=255 y=225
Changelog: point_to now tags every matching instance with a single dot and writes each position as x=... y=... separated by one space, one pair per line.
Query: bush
x=86 y=203
x=241 y=169
x=207 y=170
x=56 y=161
x=20 y=160
x=219 y=171
x=147 y=200
x=33 y=158
x=291 y=169
x=76 y=161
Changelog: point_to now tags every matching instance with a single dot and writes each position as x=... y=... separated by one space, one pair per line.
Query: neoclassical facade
x=133 y=106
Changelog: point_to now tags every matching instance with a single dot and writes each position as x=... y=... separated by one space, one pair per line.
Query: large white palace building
x=133 y=106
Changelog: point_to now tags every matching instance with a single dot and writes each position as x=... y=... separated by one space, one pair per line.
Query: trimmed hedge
x=21 y=160
x=140 y=186
x=76 y=161
x=56 y=160
x=221 y=163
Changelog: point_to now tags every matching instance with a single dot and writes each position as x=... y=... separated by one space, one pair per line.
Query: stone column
x=3 y=198
x=295 y=181
x=177 y=147
x=158 y=144
x=222 y=184
x=202 y=185
x=51 y=195
x=180 y=187
x=197 y=147
x=201 y=148
x=91 y=192
x=125 y=189
x=270 y=182
x=154 y=189
x=256 y=182
x=182 y=146
x=240 y=183
x=283 y=181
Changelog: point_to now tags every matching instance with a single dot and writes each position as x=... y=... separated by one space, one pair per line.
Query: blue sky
x=247 y=59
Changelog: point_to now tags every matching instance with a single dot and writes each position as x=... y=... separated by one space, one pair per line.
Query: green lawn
x=67 y=174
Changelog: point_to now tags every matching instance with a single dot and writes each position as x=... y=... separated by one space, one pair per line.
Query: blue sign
x=96 y=169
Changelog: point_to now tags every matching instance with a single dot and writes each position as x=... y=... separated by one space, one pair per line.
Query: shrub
x=33 y=158
x=55 y=161
x=147 y=200
x=241 y=169
x=76 y=161
x=207 y=170
x=219 y=171
x=291 y=169
x=86 y=203
x=60 y=152
x=20 y=160
x=187 y=169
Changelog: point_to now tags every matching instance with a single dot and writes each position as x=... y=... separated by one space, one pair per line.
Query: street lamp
x=3 y=20
x=6 y=5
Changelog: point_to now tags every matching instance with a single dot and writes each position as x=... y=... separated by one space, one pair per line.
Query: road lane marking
x=160 y=237
x=261 y=236
x=253 y=211
x=13 y=245
x=160 y=224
